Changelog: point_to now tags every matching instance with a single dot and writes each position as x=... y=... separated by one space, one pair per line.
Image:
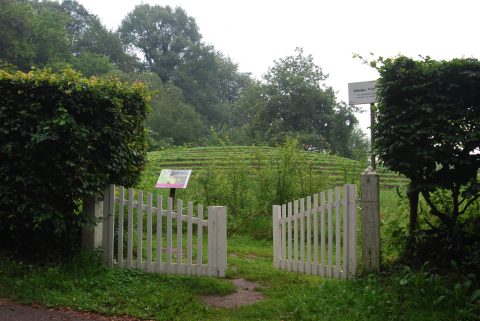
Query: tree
x=170 y=45
x=87 y=34
x=295 y=102
x=173 y=119
x=429 y=130
x=91 y=64
x=33 y=34
x=16 y=25
x=49 y=34
x=165 y=36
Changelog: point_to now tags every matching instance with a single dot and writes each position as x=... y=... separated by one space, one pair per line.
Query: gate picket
x=333 y=242
x=162 y=260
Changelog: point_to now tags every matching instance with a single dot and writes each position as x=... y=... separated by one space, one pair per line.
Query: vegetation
x=292 y=101
x=249 y=180
x=163 y=47
x=63 y=138
x=398 y=294
x=402 y=294
x=428 y=130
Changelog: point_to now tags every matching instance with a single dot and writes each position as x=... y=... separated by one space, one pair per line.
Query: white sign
x=362 y=93
x=173 y=178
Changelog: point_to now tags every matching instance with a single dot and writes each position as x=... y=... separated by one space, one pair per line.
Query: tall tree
x=16 y=31
x=33 y=34
x=88 y=34
x=53 y=34
x=171 y=46
x=165 y=36
x=295 y=101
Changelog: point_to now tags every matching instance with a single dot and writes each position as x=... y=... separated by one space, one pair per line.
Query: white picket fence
x=160 y=254
x=318 y=238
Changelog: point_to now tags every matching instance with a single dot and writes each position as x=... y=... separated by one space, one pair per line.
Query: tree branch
x=470 y=202
x=433 y=209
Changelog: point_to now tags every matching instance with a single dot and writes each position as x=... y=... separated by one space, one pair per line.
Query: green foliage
x=16 y=22
x=166 y=36
x=428 y=129
x=89 y=37
x=51 y=34
x=85 y=284
x=171 y=44
x=63 y=138
x=173 y=118
x=293 y=101
x=33 y=34
x=172 y=121
x=248 y=180
x=400 y=295
x=89 y=64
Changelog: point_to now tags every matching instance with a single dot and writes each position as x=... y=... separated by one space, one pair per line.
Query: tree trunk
x=413 y=200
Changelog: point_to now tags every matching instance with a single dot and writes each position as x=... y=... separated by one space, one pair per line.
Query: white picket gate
x=317 y=238
x=160 y=253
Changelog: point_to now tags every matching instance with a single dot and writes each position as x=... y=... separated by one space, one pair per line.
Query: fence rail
x=316 y=237
x=160 y=245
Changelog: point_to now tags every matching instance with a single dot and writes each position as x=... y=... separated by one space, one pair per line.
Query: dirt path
x=244 y=295
x=11 y=311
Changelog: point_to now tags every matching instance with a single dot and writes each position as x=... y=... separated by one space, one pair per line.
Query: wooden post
x=352 y=226
x=221 y=227
x=108 y=224
x=92 y=236
x=276 y=216
x=370 y=221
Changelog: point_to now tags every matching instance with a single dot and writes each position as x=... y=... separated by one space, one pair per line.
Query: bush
x=250 y=189
x=63 y=138
x=428 y=130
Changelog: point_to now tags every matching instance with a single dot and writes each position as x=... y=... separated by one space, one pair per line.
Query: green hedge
x=63 y=138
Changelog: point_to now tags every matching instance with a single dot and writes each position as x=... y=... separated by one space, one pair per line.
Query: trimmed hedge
x=63 y=138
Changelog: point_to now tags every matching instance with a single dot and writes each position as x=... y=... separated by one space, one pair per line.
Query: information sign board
x=173 y=178
x=362 y=93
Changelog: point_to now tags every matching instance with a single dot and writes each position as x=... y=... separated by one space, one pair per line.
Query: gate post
x=221 y=240
x=370 y=221
x=217 y=240
x=92 y=236
x=276 y=216
x=108 y=224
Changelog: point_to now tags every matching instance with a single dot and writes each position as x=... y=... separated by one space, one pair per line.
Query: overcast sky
x=254 y=33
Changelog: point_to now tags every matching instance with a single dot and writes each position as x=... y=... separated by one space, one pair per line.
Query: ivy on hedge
x=63 y=138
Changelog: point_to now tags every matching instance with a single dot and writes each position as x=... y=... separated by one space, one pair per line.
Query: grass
x=401 y=294
x=342 y=170
x=86 y=286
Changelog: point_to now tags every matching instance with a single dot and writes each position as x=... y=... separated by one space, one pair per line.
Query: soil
x=245 y=294
x=11 y=311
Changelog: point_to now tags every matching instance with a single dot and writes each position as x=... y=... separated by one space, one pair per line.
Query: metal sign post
x=365 y=93
x=173 y=179
x=372 y=136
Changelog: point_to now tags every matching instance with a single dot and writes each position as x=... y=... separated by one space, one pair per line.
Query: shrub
x=63 y=138
x=428 y=130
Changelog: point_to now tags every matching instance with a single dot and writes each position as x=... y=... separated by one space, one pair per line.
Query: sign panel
x=362 y=93
x=173 y=178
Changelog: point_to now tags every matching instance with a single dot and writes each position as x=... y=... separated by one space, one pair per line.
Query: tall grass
x=250 y=183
